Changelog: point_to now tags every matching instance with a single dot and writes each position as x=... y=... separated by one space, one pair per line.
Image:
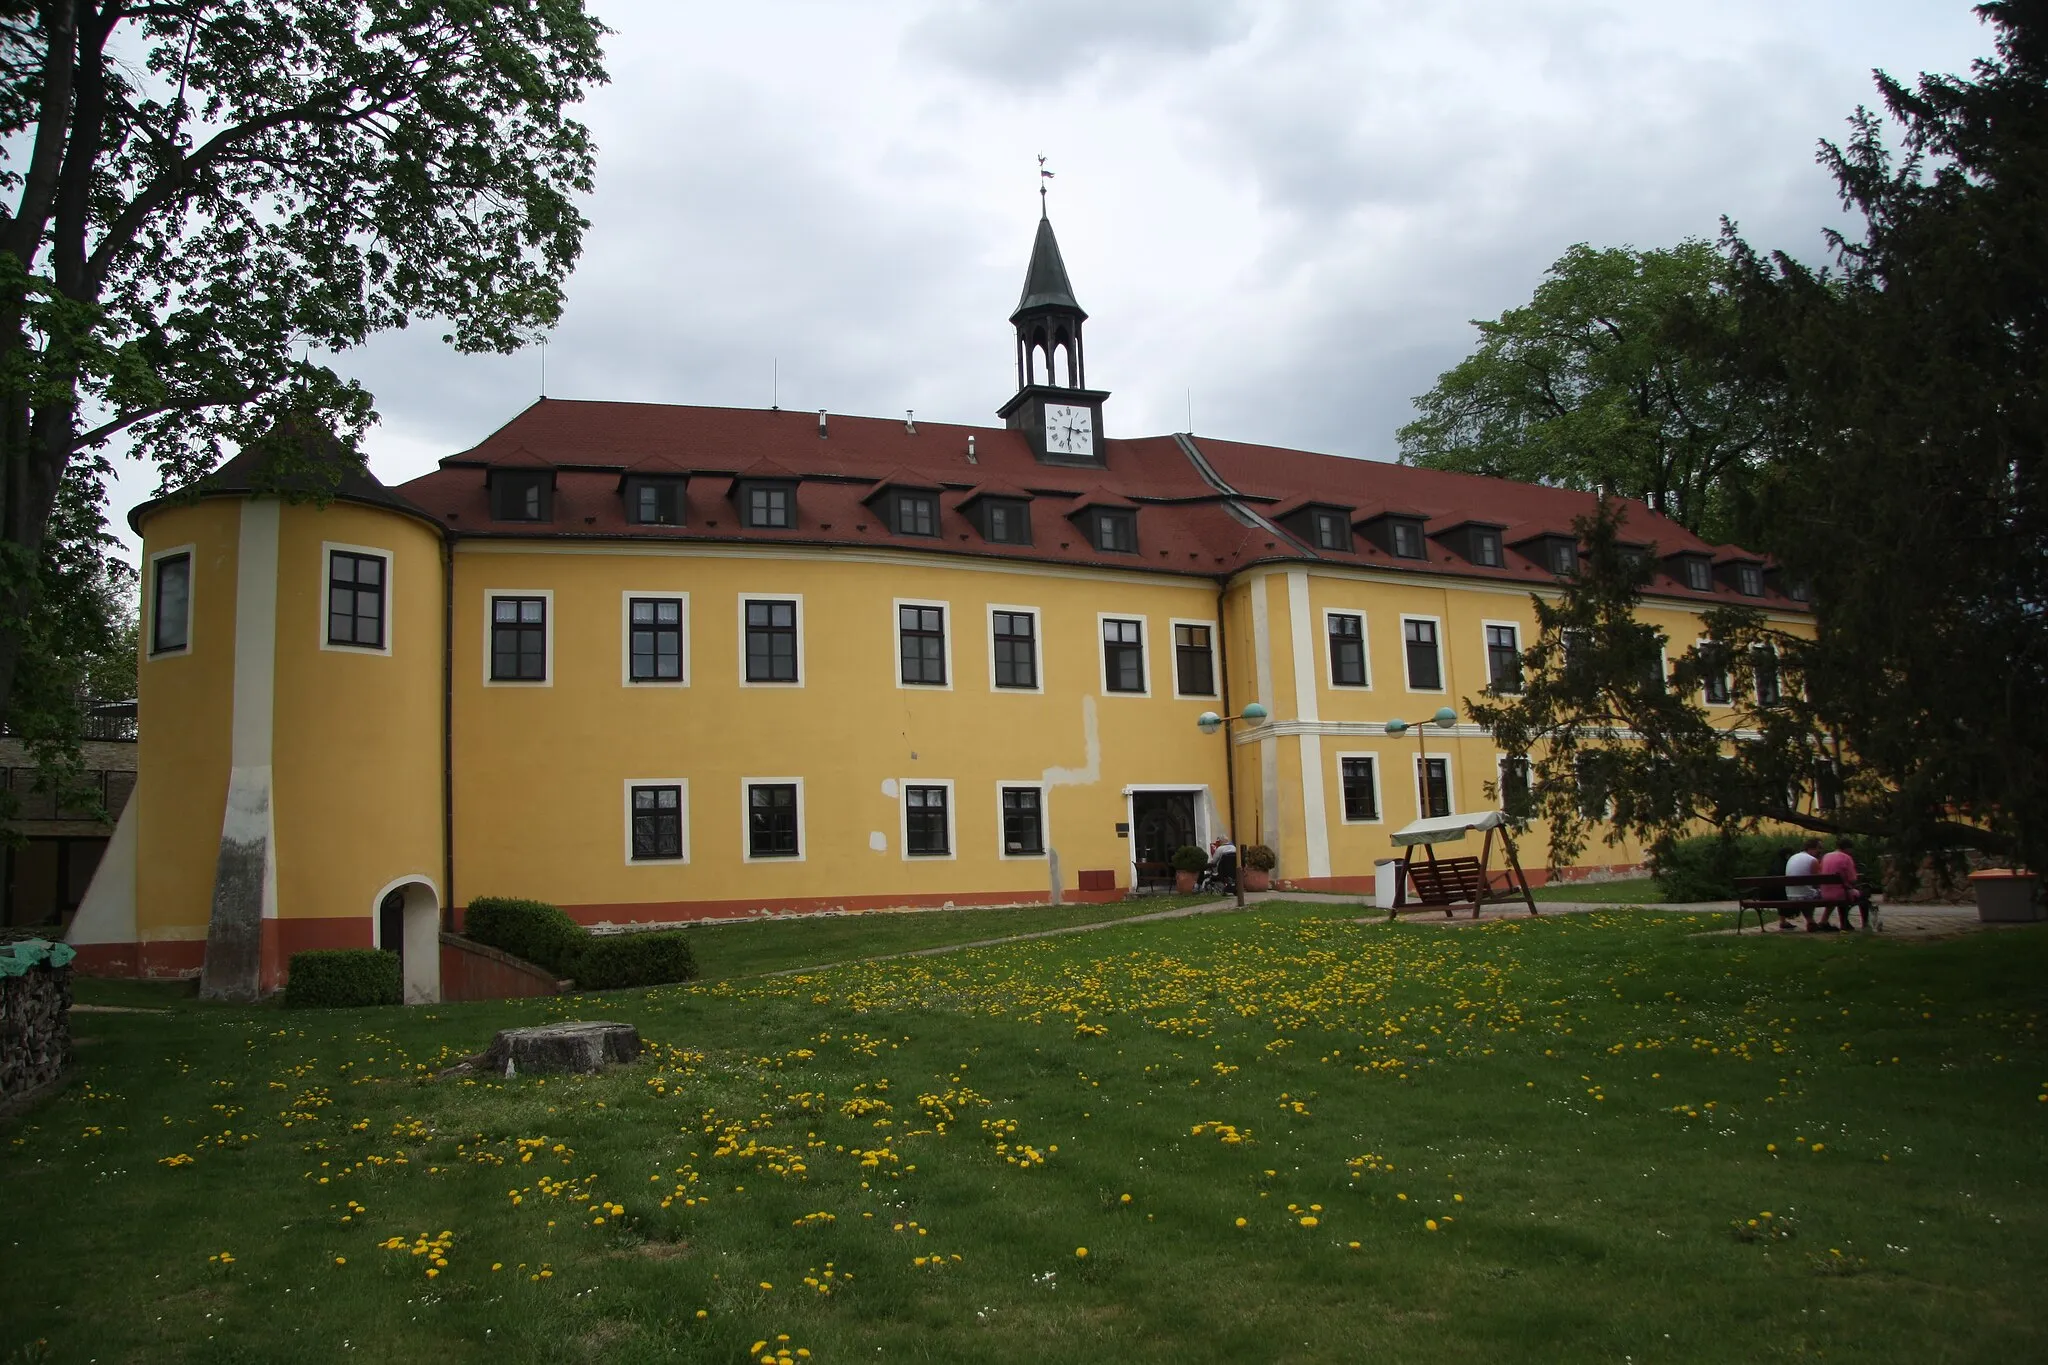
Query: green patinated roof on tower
x=1045 y=281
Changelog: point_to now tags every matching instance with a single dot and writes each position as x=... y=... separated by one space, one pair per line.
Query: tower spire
x=1043 y=176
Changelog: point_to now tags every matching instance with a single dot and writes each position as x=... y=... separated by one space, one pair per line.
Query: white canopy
x=1444 y=829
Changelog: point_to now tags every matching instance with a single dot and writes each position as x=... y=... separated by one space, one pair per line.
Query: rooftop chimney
x=910 y=420
x=821 y=421
x=970 y=449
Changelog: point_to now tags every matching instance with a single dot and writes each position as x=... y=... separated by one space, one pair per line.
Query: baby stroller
x=1221 y=878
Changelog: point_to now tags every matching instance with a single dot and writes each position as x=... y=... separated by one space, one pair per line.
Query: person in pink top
x=1841 y=863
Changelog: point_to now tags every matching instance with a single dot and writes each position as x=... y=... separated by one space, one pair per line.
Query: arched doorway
x=408 y=920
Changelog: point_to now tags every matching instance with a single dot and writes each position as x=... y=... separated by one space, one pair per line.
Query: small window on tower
x=917 y=514
x=654 y=502
x=1116 y=530
x=1006 y=521
x=520 y=495
x=1333 y=531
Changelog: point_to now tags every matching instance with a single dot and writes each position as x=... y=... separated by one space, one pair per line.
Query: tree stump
x=575 y=1046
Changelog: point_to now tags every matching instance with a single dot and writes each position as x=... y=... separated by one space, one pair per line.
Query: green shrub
x=1259 y=858
x=342 y=978
x=650 y=958
x=1705 y=868
x=1188 y=858
x=534 y=931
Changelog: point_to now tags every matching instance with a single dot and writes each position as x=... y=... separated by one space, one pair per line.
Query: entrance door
x=1160 y=823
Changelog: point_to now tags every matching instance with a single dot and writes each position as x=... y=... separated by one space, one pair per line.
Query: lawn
x=1624 y=891
x=1279 y=1135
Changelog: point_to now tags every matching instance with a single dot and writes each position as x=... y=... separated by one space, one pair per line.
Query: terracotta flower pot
x=1183 y=882
x=1257 y=880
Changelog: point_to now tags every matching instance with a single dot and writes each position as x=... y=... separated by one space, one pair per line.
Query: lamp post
x=1210 y=723
x=1445 y=718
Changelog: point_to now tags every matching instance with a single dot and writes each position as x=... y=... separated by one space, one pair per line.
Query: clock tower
x=1053 y=406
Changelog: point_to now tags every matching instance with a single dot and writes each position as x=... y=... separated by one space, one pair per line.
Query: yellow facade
x=542 y=770
x=357 y=743
x=184 y=715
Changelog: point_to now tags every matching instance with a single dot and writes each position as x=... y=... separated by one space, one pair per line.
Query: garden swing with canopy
x=1451 y=883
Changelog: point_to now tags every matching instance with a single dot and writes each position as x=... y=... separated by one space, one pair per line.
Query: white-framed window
x=1347 y=653
x=357 y=600
x=1022 y=827
x=771 y=652
x=1016 y=649
x=657 y=820
x=170 y=601
x=925 y=828
x=1126 y=671
x=1422 y=649
x=1358 y=787
x=654 y=638
x=924 y=644
x=772 y=819
x=1503 y=656
x=1714 y=690
x=1194 y=658
x=1512 y=777
x=519 y=637
x=1434 y=797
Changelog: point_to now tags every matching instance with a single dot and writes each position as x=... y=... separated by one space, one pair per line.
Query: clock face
x=1069 y=430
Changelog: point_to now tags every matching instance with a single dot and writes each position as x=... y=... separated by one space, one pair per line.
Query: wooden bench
x=1752 y=891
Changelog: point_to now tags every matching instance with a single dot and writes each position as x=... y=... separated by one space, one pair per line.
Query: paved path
x=1911 y=922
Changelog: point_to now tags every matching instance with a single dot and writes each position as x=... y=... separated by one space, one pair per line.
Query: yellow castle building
x=658 y=664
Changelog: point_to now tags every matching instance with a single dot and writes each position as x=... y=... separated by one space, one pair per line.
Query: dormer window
x=1699 y=574
x=1562 y=556
x=1006 y=521
x=914 y=514
x=768 y=506
x=1749 y=580
x=521 y=495
x=1486 y=549
x=1114 y=530
x=654 y=502
x=1799 y=590
x=1405 y=538
x=1332 y=531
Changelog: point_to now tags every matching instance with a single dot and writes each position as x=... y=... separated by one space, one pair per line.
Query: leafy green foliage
x=1911 y=419
x=1188 y=858
x=1704 y=868
x=650 y=958
x=206 y=192
x=533 y=931
x=342 y=978
x=1586 y=386
x=1259 y=858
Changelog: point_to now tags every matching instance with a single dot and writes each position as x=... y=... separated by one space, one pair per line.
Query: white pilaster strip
x=1314 y=815
x=249 y=815
x=1269 y=751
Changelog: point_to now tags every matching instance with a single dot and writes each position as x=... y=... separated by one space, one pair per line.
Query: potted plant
x=1259 y=862
x=1188 y=862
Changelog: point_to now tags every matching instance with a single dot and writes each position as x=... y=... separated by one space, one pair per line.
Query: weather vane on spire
x=1043 y=176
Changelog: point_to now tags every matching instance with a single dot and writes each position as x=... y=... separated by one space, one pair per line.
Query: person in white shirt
x=1804 y=863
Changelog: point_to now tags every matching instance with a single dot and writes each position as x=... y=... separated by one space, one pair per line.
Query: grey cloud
x=1052 y=42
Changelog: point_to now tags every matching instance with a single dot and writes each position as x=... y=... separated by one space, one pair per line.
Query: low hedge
x=1705 y=868
x=651 y=958
x=342 y=978
x=535 y=931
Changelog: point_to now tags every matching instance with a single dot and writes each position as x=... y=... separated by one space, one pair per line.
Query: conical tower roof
x=1045 y=281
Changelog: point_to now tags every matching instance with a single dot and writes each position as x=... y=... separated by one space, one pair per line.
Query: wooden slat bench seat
x=1756 y=895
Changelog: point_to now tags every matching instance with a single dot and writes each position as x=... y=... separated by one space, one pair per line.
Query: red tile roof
x=1186 y=524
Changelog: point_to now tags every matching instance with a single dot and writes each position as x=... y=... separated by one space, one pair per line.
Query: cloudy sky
x=1282 y=213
